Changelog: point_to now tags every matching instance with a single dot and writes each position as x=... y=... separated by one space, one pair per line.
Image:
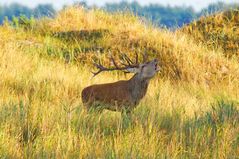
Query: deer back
x=108 y=93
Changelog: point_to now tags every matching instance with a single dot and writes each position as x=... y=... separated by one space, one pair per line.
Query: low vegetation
x=218 y=31
x=190 y=110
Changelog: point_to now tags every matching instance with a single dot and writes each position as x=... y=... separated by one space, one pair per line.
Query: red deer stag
x=121 y=95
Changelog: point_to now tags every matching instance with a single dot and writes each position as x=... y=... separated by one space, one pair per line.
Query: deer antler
x=145 y=57
x=126 y=66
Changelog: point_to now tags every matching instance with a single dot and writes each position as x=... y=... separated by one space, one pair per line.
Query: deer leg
x=93 y=107
x=128 y=113
x=126 y=116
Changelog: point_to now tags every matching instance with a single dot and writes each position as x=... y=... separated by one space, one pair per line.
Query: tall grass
x=43 y=70
x=218 y=31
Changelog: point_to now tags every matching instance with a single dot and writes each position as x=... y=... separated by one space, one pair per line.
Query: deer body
x=121 y=95
x=117 y=96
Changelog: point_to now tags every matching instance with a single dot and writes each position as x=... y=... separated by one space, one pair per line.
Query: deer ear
x=133 y=70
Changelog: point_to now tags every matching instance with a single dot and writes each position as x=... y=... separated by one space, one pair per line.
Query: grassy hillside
x=80 y=36
x=190 y=110
x=219 y=31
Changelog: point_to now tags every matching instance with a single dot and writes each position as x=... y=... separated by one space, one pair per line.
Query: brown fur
x=121 y=95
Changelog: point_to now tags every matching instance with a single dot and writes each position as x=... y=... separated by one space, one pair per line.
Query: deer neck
x=138 y=87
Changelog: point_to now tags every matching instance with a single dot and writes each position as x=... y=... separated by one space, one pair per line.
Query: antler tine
x=129 y=62
x=98 y=66
x=122 y=60
x=101 y=68
x=122 y=63
x=113 y=60
x=127 y=59
x=96 y=73
x=145 y=57
x=136 y=58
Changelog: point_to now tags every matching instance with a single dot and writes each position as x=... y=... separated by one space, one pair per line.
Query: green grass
x=189 y=111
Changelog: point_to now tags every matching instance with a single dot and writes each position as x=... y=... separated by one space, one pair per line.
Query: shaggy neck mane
x=138 y=86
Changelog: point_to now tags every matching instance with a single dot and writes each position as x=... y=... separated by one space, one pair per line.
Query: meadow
x=189 y=111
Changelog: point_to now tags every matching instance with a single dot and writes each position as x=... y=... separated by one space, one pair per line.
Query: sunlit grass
x=42 y=116
x=218 y=31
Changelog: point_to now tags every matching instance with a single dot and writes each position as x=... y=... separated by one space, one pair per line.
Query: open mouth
x=156 y=66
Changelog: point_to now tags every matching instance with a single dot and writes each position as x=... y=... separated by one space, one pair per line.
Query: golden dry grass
x=218 y=31
x=190 y=110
